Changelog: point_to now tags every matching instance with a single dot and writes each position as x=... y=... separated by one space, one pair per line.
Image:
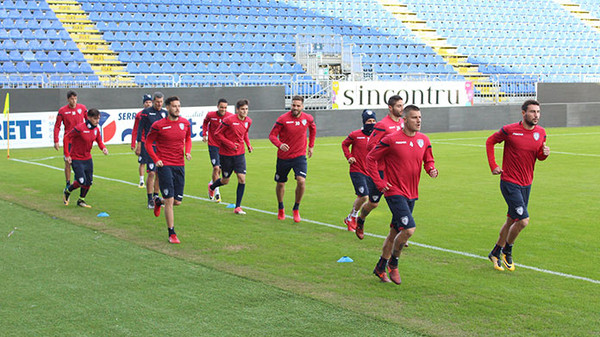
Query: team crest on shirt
x=304 y=122
x=519 y=210
x=95 y=132
x=79 y=111
x=246 y=125
x=181 y=126
x=404 y=220
x=420 y=142
x=411 y=144
x=536 y=136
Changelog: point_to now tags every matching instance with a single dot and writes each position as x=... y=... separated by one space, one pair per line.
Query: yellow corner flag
x=7 y=103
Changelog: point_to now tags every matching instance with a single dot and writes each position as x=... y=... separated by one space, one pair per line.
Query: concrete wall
x=562 y=105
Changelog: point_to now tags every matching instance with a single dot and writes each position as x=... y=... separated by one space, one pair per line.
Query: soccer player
x=147 y=102
x=211 y=123
x=356 y=157
x=70 y=115
x=231 y=136
x=77 y=146
x=403 y=153
x=289 y=136
x=389 y=124
x=173 y=139
x=147 y=118
x=524 y=143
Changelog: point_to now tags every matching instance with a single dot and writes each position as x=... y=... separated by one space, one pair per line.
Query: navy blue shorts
x=517 y=198
x=213 y=152
x=171 y=180
x=284 y=166
x=359 y=181
x=401 y=208
x=146 y=159
x=229 y=164
x=374 y=193
x=84 y=171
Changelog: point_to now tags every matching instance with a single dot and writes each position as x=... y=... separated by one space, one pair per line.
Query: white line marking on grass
x=551 y=152
x=545 y=271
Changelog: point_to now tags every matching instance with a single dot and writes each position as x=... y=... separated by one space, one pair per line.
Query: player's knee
x=407 y=233
x=363 y=199
x=176 y=202
x=523 y=223
x=224 y=181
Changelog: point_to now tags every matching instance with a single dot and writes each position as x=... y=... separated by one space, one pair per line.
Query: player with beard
x=524 y=143
x=289 y=136
x=404 y=153
x=172 y=137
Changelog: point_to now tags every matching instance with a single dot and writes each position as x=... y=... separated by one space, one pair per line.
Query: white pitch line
x=545 y=271
x=551 y=152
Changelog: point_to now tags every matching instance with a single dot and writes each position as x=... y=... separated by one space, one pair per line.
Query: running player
x=403 y=153
x=172 y=137
x=524 y=143
x=356 y=157
x=231 y=136
x=77 y=146
x=212 y=121
x=289 y=136
x=147 y=102
x=70 y=115
x=147 y=118
x=389 y=124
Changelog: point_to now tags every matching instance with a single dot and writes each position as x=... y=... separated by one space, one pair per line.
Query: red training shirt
x=232 y=134
x=382 y=128
x=358 y=140
x=521 y=149
x=292 y=131
x=211 y=123
x=170 y=138
x=70 y=117
x=80 y=140
x=403 y=157
x=134 y=131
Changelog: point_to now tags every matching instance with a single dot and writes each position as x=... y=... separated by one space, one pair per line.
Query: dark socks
x=84 y=191
x=216 y=184
x=74 y=186
x=507 y=249
x=382 y=264
x=280 y=206
x=393 y=262
x=296 y=206
x=496 y=251
x=360 y=221
x=149 y=197
x=171 y=231
x=239 y=195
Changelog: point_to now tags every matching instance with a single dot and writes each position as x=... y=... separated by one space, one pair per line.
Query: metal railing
x=317 y=90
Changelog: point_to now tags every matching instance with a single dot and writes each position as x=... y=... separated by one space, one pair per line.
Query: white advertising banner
x=374 y=95
x=36 y=129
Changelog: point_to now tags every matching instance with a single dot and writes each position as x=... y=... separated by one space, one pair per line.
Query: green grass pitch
x=67 y=272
